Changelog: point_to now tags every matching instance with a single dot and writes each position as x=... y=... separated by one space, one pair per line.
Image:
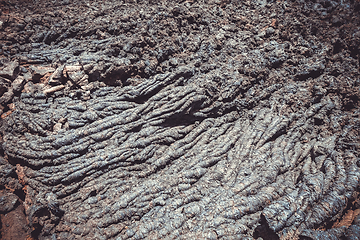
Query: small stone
x=221 y=35
x=9 y=70
x=62 y=120
x=76 y=75
x=27 y=76
x=73 y=68
x=57 y=127
x=210 y=234
x=23 y=59
x=229 y=27
x=270 y=31
x=11 y=106
x=56 y=77
x=88 y=87
x=18 y=84
x=30 y=87
x=88 y=67
x=45 y=78
x=40 y=71
x=54 y=89
x=6 y=114
x=4 y=85
x=6 y=97
x=86 y=95
x=262 y=34
x=7 y=202
x=66 y=126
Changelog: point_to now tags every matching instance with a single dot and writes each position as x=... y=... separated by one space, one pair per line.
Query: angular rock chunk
x=76 y=74
x=9 y=70
x=18 y=84
x=57 y=76
x=40 y=71
x=4 y=85
x=7 y=201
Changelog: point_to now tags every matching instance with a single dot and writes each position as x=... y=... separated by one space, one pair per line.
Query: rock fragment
x=9 y=70
x=4 y=85
x=54 y=89
x=18 y=84
x=7 y=201
x=57 y=76
x=6 y=97
x=76 y=74
x=40 y=71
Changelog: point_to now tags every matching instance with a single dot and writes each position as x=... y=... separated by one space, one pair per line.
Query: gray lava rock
x=4 y=85
x=39 y=71
x=18 y=84
x=187 y=120
x=7 y=202
x=9 y=70
x=6 y=97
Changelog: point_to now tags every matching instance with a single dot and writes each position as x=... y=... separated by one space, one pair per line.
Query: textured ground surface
x=180 y=119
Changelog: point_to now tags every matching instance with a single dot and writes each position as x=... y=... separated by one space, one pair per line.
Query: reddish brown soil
x=14 y=224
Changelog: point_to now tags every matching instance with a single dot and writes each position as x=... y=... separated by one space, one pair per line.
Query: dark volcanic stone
x=7 y=201
x=186 y=119
x=9 y=70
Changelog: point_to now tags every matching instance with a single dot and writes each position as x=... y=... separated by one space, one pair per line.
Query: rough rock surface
x=182 y=119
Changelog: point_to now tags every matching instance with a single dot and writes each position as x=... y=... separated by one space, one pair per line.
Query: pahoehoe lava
x=191 y=119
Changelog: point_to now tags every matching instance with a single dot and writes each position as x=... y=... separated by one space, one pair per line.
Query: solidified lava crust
x=191 y=119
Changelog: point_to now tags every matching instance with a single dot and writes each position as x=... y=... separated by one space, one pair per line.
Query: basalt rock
x=189 y=120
